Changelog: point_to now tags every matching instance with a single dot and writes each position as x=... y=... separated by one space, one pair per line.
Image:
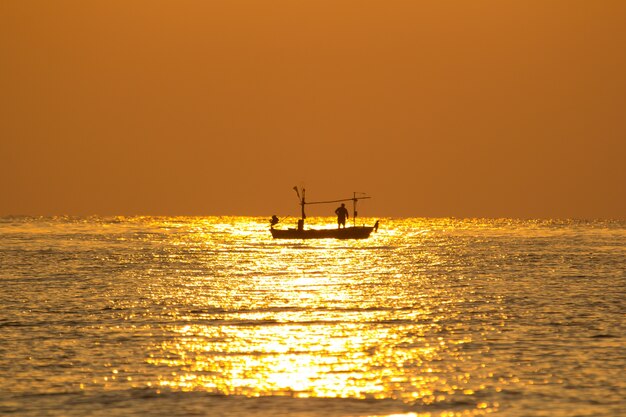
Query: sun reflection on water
x=210 y=316
x=299 y=360
x=331 y=319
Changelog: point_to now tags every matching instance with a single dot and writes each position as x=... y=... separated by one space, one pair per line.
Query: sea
x=209 y=316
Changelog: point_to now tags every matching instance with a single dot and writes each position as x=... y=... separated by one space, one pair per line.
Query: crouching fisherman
x=274 y=221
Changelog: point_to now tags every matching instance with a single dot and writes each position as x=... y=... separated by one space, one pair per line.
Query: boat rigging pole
x=354 y=200
x=302 y=203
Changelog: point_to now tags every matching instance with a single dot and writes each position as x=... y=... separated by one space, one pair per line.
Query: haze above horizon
x=435 y=109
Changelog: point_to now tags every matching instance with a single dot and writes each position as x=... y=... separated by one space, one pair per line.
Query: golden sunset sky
x=435 y=108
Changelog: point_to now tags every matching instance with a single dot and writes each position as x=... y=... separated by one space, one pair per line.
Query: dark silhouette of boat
x=353 y=232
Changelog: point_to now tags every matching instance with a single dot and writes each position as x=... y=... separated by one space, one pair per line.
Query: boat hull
x=357 y=232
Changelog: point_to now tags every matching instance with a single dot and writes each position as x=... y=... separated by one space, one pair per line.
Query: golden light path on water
x=211 y=316
x=366 y=319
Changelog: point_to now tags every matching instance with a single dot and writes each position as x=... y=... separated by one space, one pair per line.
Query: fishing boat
x=299 y=232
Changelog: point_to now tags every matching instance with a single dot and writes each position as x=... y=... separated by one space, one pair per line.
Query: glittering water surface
x=210 y=316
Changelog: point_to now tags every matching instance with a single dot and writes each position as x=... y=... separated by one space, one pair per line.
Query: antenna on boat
x=354 y=201
x=302 y=203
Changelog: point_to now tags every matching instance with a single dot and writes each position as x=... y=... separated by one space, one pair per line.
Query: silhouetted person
x=273 y=221
x=342 y=215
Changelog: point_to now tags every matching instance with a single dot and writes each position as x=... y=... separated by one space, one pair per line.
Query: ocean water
x=211 y=317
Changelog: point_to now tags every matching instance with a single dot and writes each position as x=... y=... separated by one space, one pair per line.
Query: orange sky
x=435 y=108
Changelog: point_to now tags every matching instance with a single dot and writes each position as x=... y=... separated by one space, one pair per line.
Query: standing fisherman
x=342 y=215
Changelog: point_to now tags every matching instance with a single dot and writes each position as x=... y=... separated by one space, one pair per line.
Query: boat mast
x=301 y=198
x=354 y=200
